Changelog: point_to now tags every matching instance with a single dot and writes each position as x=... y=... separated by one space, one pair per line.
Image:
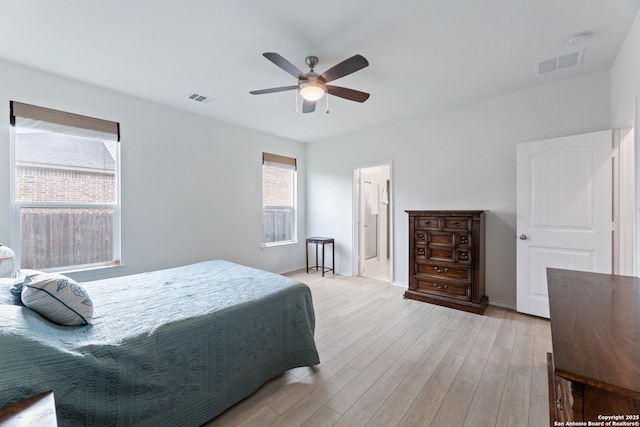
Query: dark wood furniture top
x=38 y=410
x=595 y=329
x=595 y=333
x=319 y=240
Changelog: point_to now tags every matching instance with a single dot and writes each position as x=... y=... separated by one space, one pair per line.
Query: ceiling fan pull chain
x=327 y=96
x=297 y=111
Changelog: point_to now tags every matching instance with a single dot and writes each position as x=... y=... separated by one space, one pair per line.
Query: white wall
x=459 y=159
x=197 y=195
x=191 y=186
x=625 y=104
x=625 y=76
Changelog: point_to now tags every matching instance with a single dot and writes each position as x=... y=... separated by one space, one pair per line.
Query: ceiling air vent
x=201 y=98
x=559 y=62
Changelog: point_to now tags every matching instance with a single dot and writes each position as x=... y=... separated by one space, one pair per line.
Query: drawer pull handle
x=441 y=270
x=464 y=240
x=421 y=237
x=440 y=286
x=420 y=251
x=559 y=403
x=457 y=224
x=464 y=256
x=428 y=222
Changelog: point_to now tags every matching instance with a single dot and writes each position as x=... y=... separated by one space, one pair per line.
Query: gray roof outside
x=62 y=150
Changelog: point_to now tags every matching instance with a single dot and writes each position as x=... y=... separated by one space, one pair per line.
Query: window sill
x=93 y=273
x=278 y=245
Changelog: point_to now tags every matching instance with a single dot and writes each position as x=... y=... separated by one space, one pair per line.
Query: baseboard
x=503 y=304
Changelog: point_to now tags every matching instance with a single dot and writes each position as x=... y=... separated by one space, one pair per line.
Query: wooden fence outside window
x=60 y=237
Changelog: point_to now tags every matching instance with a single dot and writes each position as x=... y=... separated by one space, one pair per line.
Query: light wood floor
x=375 y=268
x=387 y=361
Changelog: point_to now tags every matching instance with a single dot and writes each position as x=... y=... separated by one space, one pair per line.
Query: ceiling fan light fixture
x=313 y=86
x=312 y=93
x=312 y=89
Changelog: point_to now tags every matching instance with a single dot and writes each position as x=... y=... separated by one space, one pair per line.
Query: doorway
x=372 y=221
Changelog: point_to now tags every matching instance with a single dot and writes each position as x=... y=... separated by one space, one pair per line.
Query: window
x=66 y=189
x=278 y=199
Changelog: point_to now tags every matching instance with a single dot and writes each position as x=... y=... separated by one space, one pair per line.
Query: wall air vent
x=564 y=61
x=201 y=98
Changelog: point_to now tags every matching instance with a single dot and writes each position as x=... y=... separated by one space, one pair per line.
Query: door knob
x=523 y=237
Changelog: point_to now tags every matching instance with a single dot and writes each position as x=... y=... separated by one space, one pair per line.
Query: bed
x=173 y=347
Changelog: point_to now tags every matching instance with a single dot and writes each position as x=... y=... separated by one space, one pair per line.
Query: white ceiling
x=424 y=55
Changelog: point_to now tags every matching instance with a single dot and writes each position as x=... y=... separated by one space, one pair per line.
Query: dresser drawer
x=428 y=222
x=441 y=238
x=442 y=254
x=455 y=290
x=457 y=223
x=463 y=256
x=463 y=239
x=436 y=272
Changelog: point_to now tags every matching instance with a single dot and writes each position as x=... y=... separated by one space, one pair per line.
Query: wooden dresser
x=594 y=371
x=446 y=259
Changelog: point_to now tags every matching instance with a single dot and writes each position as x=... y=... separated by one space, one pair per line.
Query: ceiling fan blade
x=346 y=93
x=308 y=106
x=284 y=64
x=273 y=90
x=346 y=67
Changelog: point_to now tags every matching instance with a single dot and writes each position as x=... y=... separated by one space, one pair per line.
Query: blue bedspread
x=173 y=347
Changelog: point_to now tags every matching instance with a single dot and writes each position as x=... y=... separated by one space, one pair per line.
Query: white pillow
x=57 y=298
x=21 y=275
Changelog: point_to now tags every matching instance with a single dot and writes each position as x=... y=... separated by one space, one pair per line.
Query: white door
x=563 y=212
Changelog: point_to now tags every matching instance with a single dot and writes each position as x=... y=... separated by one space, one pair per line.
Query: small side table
x=322 y=241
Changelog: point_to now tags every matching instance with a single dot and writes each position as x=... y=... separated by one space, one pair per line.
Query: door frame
x=629 y=120
x=356 y=220
x=624 y=250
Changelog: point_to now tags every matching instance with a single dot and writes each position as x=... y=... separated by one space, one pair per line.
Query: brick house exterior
x=58 y=168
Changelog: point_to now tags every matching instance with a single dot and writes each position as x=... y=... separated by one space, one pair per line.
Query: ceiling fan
x=312 y=86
